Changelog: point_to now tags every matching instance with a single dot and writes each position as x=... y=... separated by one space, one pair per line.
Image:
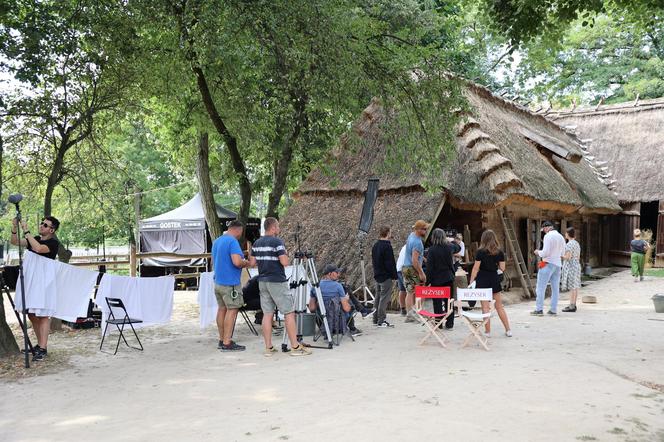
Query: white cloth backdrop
x=53 y=288
x=207 y=301
x=148 y=299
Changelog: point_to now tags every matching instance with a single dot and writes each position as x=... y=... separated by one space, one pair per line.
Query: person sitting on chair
x=331 y=288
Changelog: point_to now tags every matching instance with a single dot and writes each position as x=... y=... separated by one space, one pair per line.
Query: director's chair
x=475 y=320
x=433 y=321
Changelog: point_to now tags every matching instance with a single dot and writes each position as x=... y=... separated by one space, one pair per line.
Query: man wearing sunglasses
x=44 y=244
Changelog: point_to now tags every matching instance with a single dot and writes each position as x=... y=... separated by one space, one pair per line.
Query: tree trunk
x=8 y=345
x=205 y=187
x=281 y=168
x=55 y=176
x=282 y=165
x=231 y=144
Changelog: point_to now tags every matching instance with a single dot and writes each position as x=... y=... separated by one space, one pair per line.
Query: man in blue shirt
x=330 y=288
x=412 y=265
x=228 y=262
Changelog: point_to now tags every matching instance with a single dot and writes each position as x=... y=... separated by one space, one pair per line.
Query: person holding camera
x=44 y=244
x=228 y=262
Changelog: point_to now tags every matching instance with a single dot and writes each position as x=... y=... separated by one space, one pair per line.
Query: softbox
x=368 y=208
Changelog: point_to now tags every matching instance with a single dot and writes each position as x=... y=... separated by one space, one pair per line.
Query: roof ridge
x=634 y=105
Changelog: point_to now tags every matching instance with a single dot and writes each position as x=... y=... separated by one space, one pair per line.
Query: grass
x=654 y=272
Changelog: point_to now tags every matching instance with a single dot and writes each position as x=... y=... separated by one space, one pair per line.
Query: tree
x=72 y=62
x=8 y=344
x=523 y=20
x=280 y=81
x=614 y=60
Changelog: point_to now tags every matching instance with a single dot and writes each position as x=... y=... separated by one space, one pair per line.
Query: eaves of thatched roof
x=505 y=154
x=625 y=144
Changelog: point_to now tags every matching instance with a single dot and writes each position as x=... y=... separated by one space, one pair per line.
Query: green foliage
x=615 y=59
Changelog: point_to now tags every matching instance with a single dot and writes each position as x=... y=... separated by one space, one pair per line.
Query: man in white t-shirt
x=549 y=269
x=402 y=287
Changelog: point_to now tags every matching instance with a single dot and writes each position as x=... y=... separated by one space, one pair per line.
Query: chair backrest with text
x=474 y=295
x=424 y=292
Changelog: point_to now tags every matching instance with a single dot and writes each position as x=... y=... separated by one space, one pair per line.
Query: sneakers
x=39 y=354
x=487 y=334
x=570 y=308
x=636 y=279
x=508 y=333
x=355 y=332
x=233 y=346
x=403 y=312
x=366 y=312
x=640 y=278
x=384 y=324
x=269 y=352
x=537 y=313
x=409 y=319
x=300 y=350
x=551 y=313
x=220 y=344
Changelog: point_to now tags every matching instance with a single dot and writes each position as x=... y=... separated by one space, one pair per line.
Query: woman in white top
x=402 y=287
x=571 y=276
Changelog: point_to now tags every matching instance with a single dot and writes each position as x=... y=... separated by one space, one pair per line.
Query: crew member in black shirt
x=385 y=271
x=44 y=244
x=440 y=270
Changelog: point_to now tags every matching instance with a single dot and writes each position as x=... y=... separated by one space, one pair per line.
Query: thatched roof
x=626 y=144
x=503 y=152
x=506 y=154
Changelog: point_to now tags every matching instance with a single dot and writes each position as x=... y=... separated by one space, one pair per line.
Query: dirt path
x=594 y=375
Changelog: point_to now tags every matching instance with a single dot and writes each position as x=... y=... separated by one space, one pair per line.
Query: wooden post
x=132 y=260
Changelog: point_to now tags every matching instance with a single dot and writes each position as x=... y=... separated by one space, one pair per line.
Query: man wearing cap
x=549 y=269
x=412 y=265
x=330 y=288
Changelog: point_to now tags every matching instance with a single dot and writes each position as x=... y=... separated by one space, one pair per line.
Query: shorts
x=410 y=279
x=229 y=296
x=276 y=296
x=402 y=287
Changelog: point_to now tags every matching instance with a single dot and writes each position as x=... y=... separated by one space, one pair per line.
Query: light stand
x=24 y=310
x=367 y=296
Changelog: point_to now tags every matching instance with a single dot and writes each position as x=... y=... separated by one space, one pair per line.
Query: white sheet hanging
x=148 y=299
x=207 y=301
x=55 y=289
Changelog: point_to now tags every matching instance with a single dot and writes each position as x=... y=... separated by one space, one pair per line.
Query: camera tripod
x=304 y=273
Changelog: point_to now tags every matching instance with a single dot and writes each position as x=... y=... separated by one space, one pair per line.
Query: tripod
x=304 y=272
x=366 y=293
x=4 y=288
x=27 y=346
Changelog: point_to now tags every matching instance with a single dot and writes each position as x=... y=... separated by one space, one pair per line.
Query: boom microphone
x=15 y=198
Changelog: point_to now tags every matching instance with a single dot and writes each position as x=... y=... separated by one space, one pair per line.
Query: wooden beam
x=551 y=144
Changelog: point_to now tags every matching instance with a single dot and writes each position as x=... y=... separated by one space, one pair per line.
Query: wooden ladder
x=515 y=251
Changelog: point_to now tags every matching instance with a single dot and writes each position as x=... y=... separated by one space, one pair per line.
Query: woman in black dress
x=488 y=260
x=440 y=271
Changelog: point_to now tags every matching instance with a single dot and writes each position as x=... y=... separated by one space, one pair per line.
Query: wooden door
x=659 y=243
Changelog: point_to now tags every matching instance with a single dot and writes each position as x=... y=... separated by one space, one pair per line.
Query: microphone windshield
x=15 y=198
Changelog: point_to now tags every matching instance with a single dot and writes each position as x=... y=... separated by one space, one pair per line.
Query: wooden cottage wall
x=589 y=233
x=621 y=228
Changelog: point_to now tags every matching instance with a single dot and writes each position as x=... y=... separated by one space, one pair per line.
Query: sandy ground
x=597 y=374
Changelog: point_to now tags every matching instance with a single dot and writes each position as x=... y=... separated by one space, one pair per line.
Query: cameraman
x=44 y=244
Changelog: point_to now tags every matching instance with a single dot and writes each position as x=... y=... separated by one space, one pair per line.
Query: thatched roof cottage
x=507 y=157
x=626 y=141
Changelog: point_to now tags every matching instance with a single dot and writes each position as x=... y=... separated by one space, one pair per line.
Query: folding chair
x=433 y=321
x=475 y=320
x=245 y=316
x=120 y=324
x=335 y=320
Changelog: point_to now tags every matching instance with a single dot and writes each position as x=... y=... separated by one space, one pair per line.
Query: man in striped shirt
x=269 y=252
